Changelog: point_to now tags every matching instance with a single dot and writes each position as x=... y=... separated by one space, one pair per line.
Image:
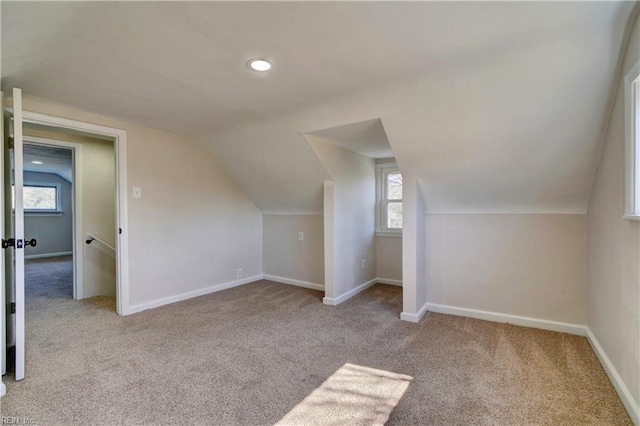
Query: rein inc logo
x=18 y=421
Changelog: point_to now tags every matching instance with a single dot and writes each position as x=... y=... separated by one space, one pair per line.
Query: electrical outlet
x=364 y=264
x=240 y=273
x=300 y=236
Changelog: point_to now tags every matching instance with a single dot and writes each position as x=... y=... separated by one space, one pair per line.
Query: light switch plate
x=137 y=192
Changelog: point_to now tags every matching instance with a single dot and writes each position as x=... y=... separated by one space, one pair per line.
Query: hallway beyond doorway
x=48 y=279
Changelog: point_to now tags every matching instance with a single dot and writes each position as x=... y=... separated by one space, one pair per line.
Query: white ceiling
x=485 y=103
x=54 y=160
x=366 y=138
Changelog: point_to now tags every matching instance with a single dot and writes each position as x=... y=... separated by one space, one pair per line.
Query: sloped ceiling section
x=494 y=107
x=280 y=172
x=365 y=138
x=511 y=128
x=49 y=160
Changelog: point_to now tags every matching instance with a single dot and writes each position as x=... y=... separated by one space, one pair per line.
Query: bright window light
x=389 y=199
x=38 y=197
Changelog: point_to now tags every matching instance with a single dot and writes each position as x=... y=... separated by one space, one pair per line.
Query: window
x=39 y=197
x=389 y=200
x=632 y=150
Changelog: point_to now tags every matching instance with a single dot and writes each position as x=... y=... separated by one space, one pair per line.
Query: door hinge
x=10 y=142
x=12 y=308
x=119 y=230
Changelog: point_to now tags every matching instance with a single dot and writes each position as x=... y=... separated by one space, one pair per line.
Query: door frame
x=122 y=239
x=76 y=206
x=3 y=317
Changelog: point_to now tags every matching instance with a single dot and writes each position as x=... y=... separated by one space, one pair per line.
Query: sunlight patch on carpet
x=353 y=395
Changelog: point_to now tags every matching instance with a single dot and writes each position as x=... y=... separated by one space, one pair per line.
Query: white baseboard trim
x=389 y=281
x=406 y=316
x=348 y=295
x=3 y=390
x=562 y=327
x=298 y=283
x=43 y=255
x=191 y=294
x=623 y=391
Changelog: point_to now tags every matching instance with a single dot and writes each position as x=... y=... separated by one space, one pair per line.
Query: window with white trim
x=39 y=197
x=632 y=149
x=389 y=199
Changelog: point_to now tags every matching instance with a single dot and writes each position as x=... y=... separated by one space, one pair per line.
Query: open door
x=3 y=315
x=13 y=240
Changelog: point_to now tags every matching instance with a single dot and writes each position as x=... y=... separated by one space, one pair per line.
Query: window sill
x=391 y=234
x=43 y=213
x=633 y=217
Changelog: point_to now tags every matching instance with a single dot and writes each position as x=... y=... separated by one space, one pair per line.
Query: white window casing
x=383 y=202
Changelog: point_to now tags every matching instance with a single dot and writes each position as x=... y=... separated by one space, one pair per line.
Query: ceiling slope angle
x=358 y=145
x=492 y=106
x=509 y=128
x=366 y=138
x=45 y=159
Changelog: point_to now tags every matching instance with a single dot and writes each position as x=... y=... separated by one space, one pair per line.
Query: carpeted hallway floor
x=249 y=355
x=47 y=279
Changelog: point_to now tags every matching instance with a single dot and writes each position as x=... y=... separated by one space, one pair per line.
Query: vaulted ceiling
x=494 y=107
x=45 y=159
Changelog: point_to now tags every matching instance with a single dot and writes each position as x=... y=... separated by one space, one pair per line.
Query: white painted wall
x=287 y=257
x=526 y=265
x=614 y=249
x=192 y=228
x=99 y=190
x=389 y=258
x=413 y=250
x=99 y=217
x=328 y=219
x=420 y=248
x=53 y=232
x=354 y=199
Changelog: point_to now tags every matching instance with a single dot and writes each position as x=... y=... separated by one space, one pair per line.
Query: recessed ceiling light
x=36 y=162
x=259 y=65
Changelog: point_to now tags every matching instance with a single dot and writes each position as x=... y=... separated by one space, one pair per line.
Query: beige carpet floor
x=252 y=354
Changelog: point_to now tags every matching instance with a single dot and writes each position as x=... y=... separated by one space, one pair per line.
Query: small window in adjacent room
x=632 y=150
x=389 y=200
x=40 y=198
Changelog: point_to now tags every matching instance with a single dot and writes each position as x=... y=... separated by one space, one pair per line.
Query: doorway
x=94 y=206
x=59 y=232
x=102 y=237
x=13 y=263
x=49 y=219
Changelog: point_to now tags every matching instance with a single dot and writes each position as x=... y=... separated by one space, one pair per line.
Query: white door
x=13 y=240
x=3 y=315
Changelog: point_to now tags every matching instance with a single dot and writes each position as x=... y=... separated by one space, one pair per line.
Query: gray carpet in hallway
x=249 y=355
x=48 y=278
